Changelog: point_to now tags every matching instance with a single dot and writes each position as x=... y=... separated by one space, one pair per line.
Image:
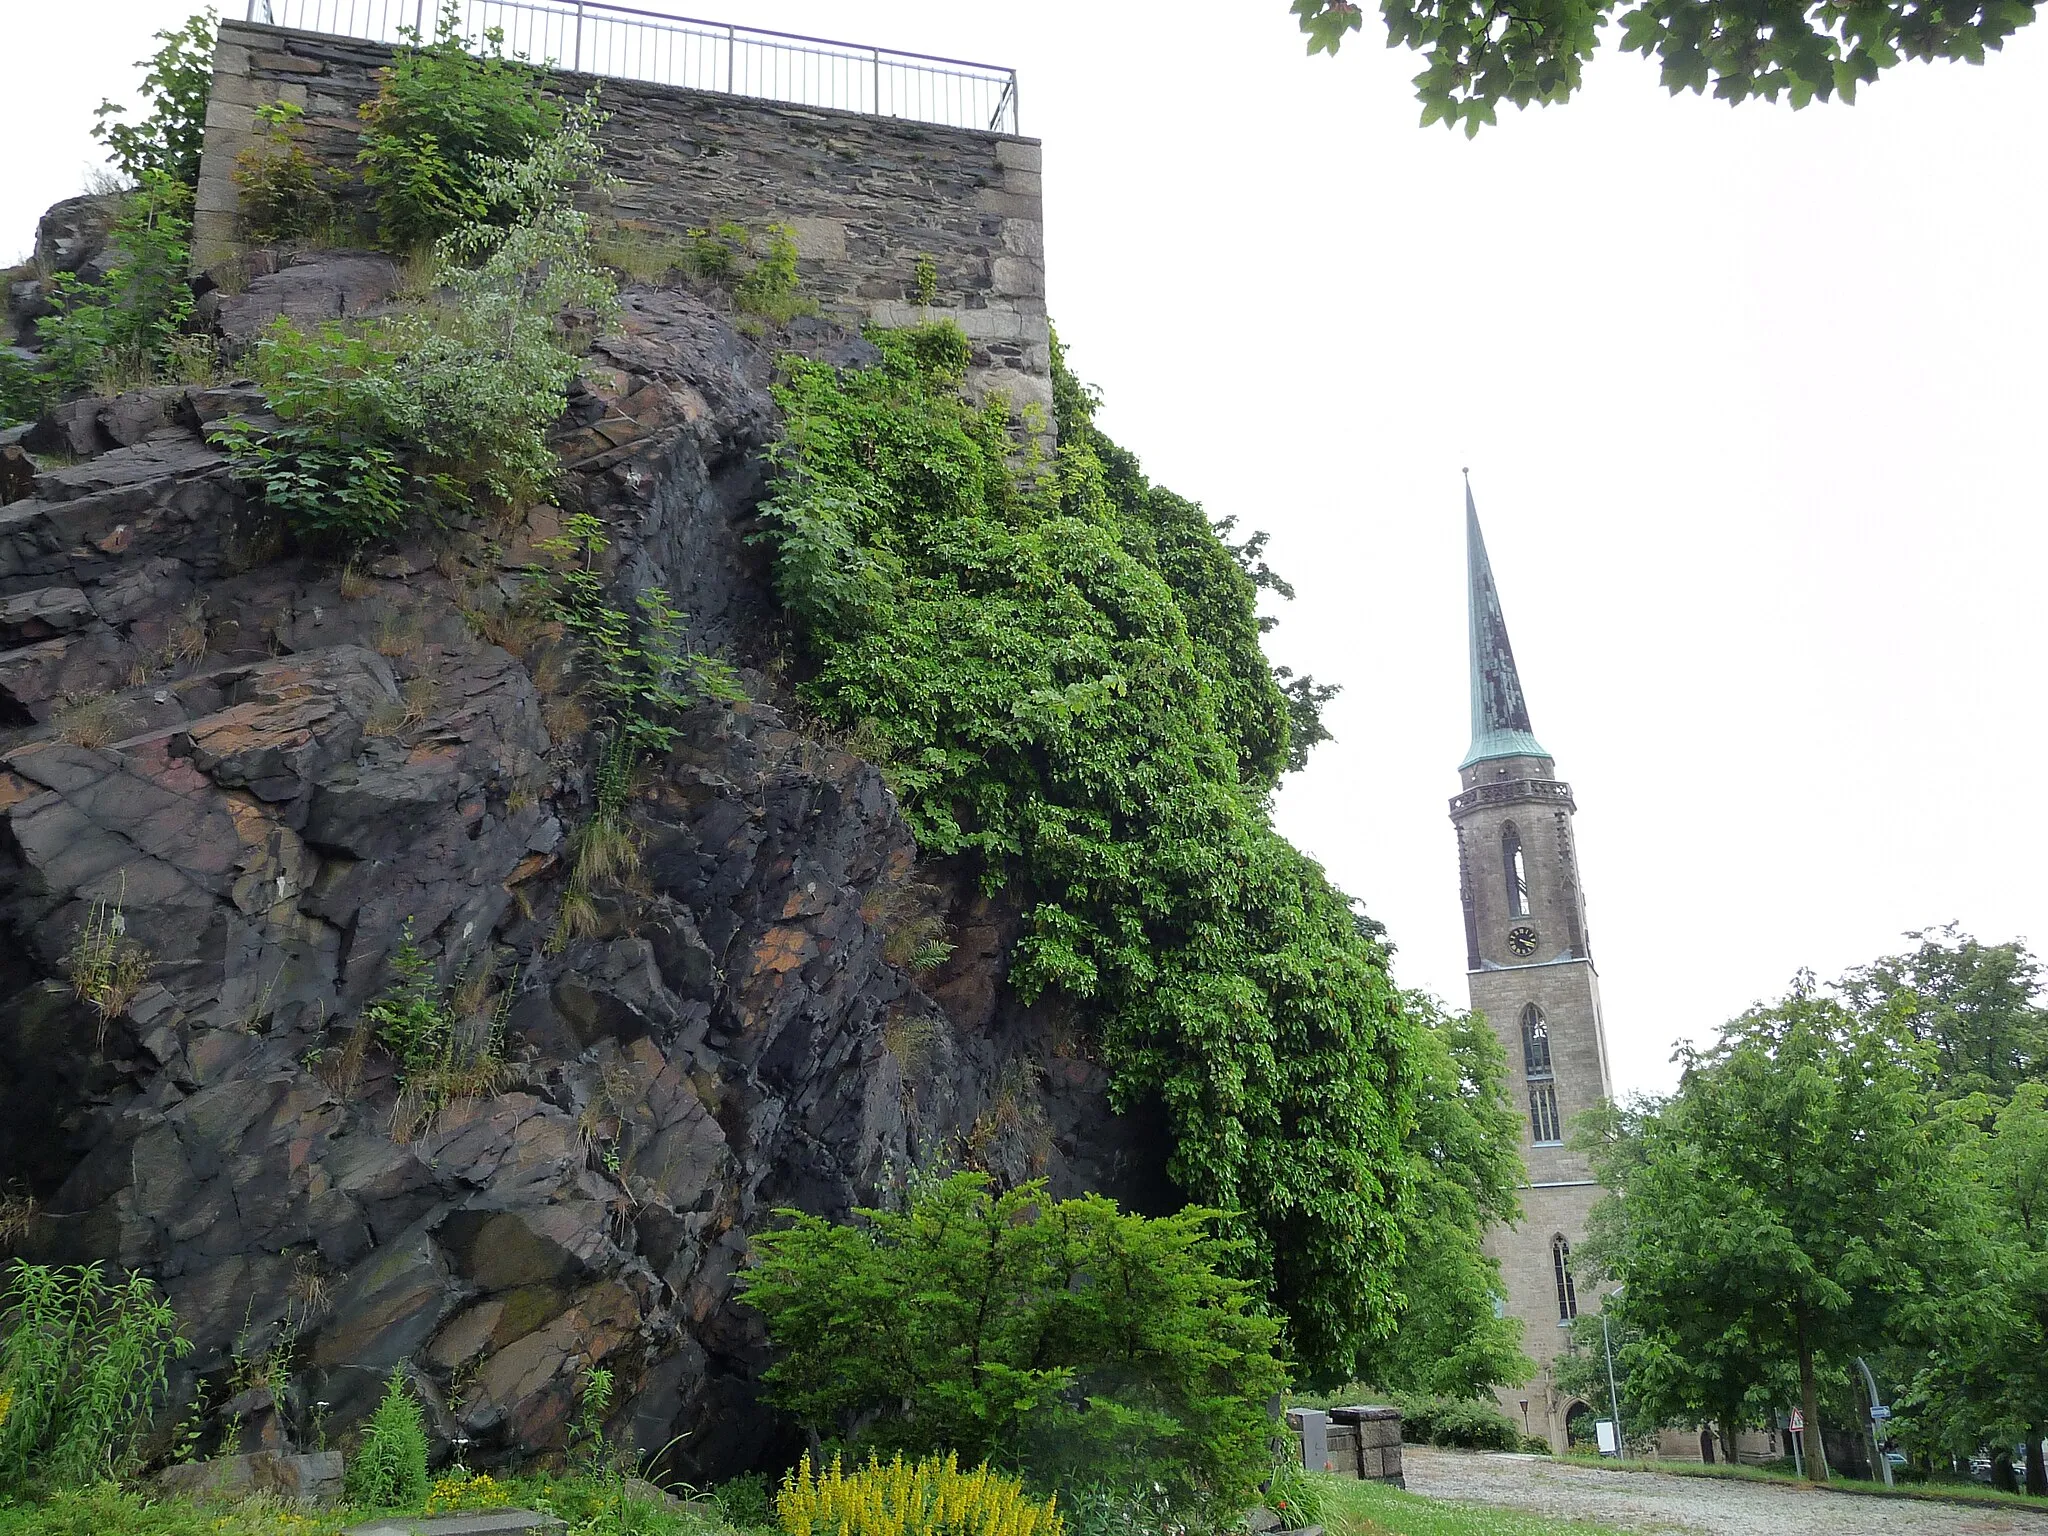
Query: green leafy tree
x=1978 y=1005
x=1061 y=677
x=443 y=115
x=177 y=82
x=1452 y=1339
x=1983 y=1378
x=1478 y=55
x=1790 y=1203
x=1066 y=1336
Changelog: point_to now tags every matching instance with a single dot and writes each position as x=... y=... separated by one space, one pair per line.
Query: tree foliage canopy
x=1465 y=1141
x=1477 y=55
x=1789 y=1205
x=1061 y=675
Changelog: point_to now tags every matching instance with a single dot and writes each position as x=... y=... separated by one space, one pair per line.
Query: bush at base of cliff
x=1061 y=678
x=389 y=1468
x=82 y=1364
x=1066 y=1339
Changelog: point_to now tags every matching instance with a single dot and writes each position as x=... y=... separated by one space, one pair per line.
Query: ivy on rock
x=1061 y=676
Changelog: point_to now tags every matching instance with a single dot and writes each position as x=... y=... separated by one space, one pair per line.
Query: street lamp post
x=1613 y=1397
x=1878 y=1414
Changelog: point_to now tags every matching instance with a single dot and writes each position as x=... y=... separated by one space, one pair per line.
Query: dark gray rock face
x=273 y=770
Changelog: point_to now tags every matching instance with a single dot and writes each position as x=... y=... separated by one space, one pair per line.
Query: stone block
x=819 y=239
x=314 y=1477
x=288 y=64
x=1024 y=237
x=1024 y=184
x=489 y=1522
x=1019 y=155
x=1011 y=205
x=1015 y=276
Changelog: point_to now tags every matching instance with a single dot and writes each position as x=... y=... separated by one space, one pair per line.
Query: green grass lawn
x=1373 y=1509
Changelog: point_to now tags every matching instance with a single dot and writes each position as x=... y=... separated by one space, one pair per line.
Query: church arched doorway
x=1578 y=1428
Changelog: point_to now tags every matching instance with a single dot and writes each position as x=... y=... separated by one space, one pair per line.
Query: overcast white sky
x=1752 y=400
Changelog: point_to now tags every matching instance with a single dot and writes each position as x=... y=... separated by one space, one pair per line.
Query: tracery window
x=1567 y=1292
x=1516 y=870
x=1535 y=1044
x=1544 y=1126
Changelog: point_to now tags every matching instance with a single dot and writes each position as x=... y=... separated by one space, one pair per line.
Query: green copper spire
x=1500 y=715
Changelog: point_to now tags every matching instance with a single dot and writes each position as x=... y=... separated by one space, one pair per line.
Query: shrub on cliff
x=115 y=333
x=1065 y=1337
x=448 y=401
x=1062 y=679
x=441 y=120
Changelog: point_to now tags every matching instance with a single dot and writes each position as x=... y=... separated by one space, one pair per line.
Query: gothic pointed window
x=1567 y=1292
x=1545 y=1129
x=1517 y=872
x=1535 y=1044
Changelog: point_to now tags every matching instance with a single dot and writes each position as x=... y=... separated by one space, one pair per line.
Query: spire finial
x=1500 y=714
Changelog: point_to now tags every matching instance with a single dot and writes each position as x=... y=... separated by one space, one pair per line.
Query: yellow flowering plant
x=931 y=1497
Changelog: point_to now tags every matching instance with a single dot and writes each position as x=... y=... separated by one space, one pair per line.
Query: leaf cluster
x=82 y=1365
x=632 y=662
x=443 y=114
x=122 y=325
x=1066 y=1337
x=448 y=402
x=1065 y=682
x=283 y=192
x=1453 y=1339
x=176 y=83
x=389 y=1468
x=1479 y=53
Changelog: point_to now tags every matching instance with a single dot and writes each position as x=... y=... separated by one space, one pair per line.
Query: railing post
x=1016 y=108
x=731 y=47
x=419 y=22
x=579 y=36
x=877 y=55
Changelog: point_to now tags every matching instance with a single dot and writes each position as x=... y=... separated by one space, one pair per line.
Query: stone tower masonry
x=1530 y=970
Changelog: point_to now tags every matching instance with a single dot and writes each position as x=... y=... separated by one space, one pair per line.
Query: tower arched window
x=1516 y=870
x=1567 y=1292
x=1546 y=1129
x=1535 y=1044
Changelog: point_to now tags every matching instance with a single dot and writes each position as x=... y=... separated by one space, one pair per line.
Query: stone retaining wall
x=865 y=196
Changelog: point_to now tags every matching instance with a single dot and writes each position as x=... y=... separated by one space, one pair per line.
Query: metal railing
x=592 y=37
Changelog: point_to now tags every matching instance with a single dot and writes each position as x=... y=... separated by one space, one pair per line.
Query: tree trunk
x=1809 y=1408
x=2037 y=1469
x=2001 y=1471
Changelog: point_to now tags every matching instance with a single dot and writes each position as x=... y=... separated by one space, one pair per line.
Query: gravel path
x=1657 y=1502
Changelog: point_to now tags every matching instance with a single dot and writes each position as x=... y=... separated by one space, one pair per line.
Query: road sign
x=1798 y=1419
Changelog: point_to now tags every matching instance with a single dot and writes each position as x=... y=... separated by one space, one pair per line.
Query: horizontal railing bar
x=863 y=49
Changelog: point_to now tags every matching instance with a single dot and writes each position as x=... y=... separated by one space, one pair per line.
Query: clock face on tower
x=1522 y=941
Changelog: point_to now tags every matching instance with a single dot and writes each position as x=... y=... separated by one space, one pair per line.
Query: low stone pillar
x=1377 y=1428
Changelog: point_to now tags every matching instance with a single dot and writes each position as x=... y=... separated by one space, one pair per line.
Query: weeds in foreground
x=82 y=1365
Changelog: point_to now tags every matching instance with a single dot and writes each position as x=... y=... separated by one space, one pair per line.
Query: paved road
x=1655 y=1503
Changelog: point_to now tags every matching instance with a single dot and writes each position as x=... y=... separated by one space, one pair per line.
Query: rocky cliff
x=259 y=772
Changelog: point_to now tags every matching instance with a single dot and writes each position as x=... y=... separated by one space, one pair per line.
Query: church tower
x=1529 y=965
